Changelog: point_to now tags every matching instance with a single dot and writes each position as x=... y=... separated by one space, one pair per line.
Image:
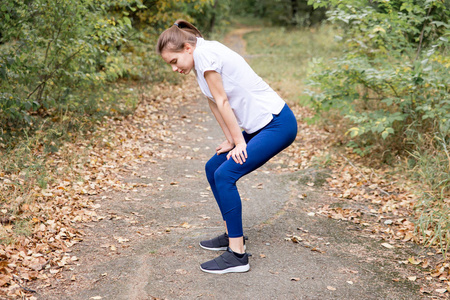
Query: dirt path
x=235 y=40
x=145 y=244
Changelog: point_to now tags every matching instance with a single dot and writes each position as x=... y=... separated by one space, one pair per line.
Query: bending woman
x=239 y=99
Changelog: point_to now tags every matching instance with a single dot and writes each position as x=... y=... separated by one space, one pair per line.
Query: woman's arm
x=228 y=144
x=226 y=116
x=218 y=116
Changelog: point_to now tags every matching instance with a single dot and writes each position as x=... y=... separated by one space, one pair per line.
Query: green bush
x=281 y=12
x=392 y=87
x=50 y=51
x=393 y=76
x=63 y=66
x=59 y=58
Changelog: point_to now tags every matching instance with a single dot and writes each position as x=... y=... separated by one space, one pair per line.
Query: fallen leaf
x=331 y=288
x=387 y=245
x=186 y=225
x=258 y=186
x=408 y=236
x=4 y=279
x=413 y=261
x=425 y=291
x=317 y=250
x=122 y=240
x=295 y=239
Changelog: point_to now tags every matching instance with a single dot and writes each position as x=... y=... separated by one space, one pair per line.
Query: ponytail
x=175 y=37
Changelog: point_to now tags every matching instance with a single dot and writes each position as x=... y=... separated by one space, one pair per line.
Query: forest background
x=382 y=89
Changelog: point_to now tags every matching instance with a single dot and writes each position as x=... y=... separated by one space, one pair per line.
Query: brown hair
x=175 y=37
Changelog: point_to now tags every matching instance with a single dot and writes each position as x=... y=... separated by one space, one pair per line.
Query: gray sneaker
x=228 y=262
x=219 y=243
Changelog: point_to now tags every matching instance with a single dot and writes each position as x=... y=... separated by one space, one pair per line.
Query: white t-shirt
x=252 y=100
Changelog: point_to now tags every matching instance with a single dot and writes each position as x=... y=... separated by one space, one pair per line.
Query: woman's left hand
x=224 y=147
x=239 y=153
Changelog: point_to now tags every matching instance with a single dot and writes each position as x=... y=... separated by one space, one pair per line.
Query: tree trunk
x=294 y=11
x=212 y=21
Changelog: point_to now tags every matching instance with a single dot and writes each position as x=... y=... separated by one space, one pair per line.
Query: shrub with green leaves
x=393 y=76
x=58 y=57
x=49 y=52
x=63 y=66
x=392 y=86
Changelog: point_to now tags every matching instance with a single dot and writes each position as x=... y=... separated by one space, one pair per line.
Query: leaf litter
x=375 y=199
x=380 y=201
x=119 y=146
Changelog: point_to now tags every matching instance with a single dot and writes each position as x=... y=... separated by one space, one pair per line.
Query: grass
x=283 y=56
x=432 y=171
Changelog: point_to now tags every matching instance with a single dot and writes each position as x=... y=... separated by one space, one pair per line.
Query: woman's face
x=181 y=62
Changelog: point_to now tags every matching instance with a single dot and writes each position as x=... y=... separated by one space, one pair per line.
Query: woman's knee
x=210 y=169
x=222 y=178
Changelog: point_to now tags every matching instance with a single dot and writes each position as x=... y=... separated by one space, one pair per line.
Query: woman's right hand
x=224 y=147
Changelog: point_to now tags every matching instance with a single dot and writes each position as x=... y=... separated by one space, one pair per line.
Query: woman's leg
x=223 y=175
x=261 y=147
x=210 y=168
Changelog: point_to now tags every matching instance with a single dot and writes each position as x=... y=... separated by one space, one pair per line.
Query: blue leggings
x=262 y=145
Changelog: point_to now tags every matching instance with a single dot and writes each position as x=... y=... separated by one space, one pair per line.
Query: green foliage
x=394 y=74
x=49 y=52
x=432 y=168
x=213 y=17
x=64 y=65
x=392 y=87
x=156 y=15
x=280 y=12
x=57 y=58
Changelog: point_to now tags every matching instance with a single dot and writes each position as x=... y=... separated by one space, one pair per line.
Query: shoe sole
x=213 y=249
x=238 y=269
x=216 y=249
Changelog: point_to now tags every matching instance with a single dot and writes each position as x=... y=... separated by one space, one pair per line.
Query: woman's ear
x=189 y=48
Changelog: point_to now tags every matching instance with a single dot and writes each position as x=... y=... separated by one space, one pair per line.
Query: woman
x=238 y=98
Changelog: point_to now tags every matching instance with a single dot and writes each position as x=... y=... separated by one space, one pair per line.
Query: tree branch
x=421 y=34
x=54 y=71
